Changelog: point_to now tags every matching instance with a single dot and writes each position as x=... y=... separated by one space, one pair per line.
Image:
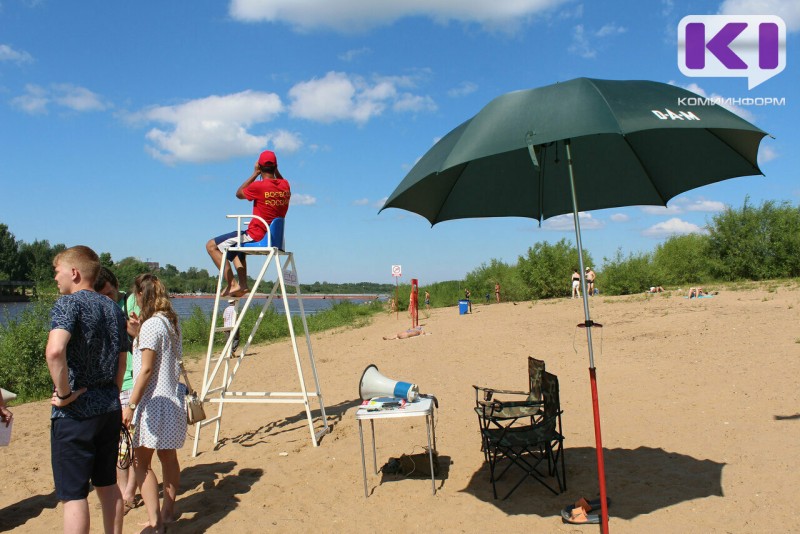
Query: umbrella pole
x=601 y=470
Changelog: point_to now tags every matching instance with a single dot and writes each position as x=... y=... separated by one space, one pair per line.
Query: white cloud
x=610 y=29
x=34 y=101
x=214 y=128
x=348 y=16
x=673 y=209
x=619 y=218
x=17 y=56
x=299 y=199
x=583 y=41
x=566 y=222
x=711 y=206
x=788 y=10
x=766 y=153
x=462 y=89
x=37 y=99
x=674 y=226
x=352 y=55
x=580 y=43
x=77 y=98
x=361 y=202
x=341 y=97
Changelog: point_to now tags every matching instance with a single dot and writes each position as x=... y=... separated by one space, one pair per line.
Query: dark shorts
x=83 y=450
x=231 y=236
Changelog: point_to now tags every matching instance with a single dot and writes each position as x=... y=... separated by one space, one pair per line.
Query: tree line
x=33 y=262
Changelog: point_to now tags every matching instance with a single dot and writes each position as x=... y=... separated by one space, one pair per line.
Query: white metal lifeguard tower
x=221 y=368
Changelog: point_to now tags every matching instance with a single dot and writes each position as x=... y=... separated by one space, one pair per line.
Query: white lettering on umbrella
x=680 y=115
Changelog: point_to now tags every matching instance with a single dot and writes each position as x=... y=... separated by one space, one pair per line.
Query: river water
x=184 y=307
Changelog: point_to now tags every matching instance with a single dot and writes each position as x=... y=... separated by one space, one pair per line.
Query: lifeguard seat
x=273 y=237
x=221 y=368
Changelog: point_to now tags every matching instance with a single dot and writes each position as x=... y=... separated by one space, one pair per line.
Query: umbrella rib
x=645 y=170
x=721 y=140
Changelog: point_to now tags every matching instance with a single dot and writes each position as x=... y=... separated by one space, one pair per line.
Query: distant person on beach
x=228 y=320
x=590 y=276
x=427 y=300
x=497 y=291
x=656 y=289
x=467 y=295
x=411 y=332
x=270 y=197
x=576 y=284
x=85 y=353
x=108 y=285
x=156 y=413
x=697 y=292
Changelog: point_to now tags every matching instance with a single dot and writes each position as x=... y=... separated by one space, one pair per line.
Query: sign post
x=397 y=272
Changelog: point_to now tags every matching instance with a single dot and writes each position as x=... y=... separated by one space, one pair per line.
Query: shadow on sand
x=293 y=423
x=639 y=481
x=217 y=496
x=18 y=514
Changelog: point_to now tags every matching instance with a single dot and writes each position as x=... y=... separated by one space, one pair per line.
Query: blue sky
x=129 y=126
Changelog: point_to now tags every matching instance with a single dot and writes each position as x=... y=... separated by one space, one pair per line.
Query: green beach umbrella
x=584 y=144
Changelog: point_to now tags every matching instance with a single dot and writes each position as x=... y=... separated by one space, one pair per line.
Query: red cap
x=268 y=157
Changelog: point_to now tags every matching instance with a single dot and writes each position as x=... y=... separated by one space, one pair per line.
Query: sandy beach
x=699 y=404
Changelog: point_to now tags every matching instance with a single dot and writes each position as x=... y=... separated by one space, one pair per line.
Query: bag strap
x=186 y=378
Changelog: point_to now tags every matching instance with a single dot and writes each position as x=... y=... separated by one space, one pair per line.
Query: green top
x=128 y=305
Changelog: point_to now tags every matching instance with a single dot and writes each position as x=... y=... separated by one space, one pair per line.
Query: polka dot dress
x=160 y=417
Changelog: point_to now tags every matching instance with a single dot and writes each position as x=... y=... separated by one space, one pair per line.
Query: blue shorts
x=83 y=450
x=229 y=240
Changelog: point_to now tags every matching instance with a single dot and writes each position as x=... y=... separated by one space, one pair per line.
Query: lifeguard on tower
x=264 y=237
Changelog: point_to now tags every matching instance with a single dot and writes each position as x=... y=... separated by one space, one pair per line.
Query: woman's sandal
x=130 y=505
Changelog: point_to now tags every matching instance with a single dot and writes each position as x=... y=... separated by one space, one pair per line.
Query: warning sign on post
x=397 y=271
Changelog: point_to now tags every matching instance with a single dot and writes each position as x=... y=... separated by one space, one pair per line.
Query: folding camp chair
x=527 y=447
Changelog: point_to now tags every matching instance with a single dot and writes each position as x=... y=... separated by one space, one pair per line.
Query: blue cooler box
x=463 y=307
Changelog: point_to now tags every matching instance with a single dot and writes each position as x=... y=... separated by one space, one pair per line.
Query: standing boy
x=86 y=355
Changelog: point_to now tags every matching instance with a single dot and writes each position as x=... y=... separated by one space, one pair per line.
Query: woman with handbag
x=156 y=411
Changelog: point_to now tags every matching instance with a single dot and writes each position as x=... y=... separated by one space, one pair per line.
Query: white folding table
x=422 y=407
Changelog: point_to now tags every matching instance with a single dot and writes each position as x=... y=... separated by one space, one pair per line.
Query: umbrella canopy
x=633 y=142
x=583 y=144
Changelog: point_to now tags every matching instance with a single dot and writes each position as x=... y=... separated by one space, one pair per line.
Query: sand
x=699 y=404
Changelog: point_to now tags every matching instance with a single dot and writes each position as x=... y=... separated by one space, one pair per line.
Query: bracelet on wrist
x=65 y=397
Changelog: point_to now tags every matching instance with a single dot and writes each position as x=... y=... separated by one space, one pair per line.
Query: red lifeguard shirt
x=270 y=200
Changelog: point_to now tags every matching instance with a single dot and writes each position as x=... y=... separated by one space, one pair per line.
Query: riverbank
x=698 y=398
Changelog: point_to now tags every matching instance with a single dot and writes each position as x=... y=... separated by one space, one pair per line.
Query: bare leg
x=148 y=485
x=216 y=257
x=126 y=481
x=76 y=517
x=171 y=473
x=111 y=502
x=241 y=273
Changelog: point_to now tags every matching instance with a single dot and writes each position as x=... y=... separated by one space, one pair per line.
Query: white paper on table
x=5 y=433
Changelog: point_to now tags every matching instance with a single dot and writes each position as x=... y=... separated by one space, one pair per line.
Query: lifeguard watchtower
x=221 y=369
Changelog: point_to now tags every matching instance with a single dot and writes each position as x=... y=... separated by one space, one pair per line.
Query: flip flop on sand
x=580 y=512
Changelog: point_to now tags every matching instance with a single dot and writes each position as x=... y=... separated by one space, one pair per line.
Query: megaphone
x=374 y=384
x=7 y=395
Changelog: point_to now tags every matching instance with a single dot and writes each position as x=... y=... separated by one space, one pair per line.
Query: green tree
x=757 y=243
x=127 y=269
x=37 y=259
x=625 y=276
x=10 y=266
x=546 y=269
x=683 y=259
x=482 y=280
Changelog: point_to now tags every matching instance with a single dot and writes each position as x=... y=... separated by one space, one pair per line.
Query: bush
x=482 y=280
x=626 y=276
x=23 y=368
x=685 y=259
x=546 y=269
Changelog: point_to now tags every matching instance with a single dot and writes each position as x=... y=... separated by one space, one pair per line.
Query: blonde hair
x=154 y=299
x=82 y=258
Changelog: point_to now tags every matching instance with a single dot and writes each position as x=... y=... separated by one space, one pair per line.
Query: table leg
x=428 y=425
x=363 y=461
x=374 y=454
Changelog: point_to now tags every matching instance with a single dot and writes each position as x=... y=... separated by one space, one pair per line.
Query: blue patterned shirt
x=98 y=334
